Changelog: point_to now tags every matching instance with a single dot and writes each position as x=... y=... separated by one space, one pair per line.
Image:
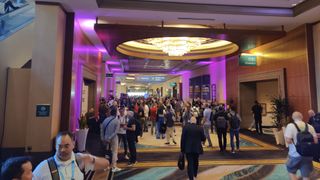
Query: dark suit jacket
x=191 y=138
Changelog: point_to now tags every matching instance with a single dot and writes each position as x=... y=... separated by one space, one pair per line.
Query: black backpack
x=138 y=130
x=316 y=122
x=305 y=143
x=234 y=122
x=221 y=122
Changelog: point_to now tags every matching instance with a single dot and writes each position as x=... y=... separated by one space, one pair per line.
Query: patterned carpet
x=255 y=160
x=223 y=172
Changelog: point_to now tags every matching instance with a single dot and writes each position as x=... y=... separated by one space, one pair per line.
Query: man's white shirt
x=291 y=133
x=42 y=171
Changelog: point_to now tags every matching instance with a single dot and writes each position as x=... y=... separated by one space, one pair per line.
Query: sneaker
x=126 y=157
x=233 y=152
x=116 y=169
x=130 y=164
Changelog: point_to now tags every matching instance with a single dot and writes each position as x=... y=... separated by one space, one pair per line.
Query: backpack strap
x=306 y=128
x=296 y=126
x=53 y=169
x=104 y=130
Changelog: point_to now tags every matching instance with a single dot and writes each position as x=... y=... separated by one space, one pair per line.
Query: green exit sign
x=248 y=60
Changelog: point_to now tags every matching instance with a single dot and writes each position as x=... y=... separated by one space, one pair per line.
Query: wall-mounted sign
x=214 y=92
x=42 y=110
x=151 y=78
x=109 y=75
x=172 y=84
x=248 y=60
x=205 y=91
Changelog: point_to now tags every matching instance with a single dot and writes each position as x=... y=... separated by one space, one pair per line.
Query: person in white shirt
x=207 y=123
x=295 y=160
x=69 y=165
x=146 y=115
x=123 y=119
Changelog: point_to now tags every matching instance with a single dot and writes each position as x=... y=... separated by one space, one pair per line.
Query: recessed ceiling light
x=130 y=78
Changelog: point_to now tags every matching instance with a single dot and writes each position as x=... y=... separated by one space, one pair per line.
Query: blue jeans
x=234 y=132
x=206 y=128
x=159 y=122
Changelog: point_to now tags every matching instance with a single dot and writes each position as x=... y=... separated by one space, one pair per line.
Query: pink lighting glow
x=113 y=62
x=87 y=23
x=183 y=72
x=116 y=69
x=204 y=62
x=102 y=50
x=217 y=71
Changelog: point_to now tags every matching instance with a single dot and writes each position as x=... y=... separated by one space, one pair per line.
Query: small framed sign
x=109 y=75
x=42 y=110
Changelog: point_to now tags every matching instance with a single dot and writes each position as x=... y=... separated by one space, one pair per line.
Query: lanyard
x=72 y=175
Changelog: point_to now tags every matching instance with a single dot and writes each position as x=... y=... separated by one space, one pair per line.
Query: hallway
x=156 y=160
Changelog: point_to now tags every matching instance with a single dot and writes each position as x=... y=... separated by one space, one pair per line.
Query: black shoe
x=174 y=142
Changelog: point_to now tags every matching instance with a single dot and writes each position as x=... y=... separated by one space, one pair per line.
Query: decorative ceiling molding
x=112 y=35
x=209 y=8
x=195 y=8
x=305 y=6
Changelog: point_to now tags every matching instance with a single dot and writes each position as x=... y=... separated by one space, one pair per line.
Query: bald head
x=193 y=120
x=297 y=116
x=311 y=113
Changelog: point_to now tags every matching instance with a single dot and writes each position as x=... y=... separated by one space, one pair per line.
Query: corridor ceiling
x=267 y=15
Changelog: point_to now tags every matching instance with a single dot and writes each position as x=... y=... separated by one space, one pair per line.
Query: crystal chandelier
x=176 y=46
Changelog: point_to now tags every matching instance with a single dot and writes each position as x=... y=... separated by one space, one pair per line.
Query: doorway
x=261 y=87
x=88 y=95
x=261 y=91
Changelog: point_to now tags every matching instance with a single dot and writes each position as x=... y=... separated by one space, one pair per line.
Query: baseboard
x=36 y=157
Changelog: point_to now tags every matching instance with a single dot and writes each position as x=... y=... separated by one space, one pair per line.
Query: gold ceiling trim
x=210 y=48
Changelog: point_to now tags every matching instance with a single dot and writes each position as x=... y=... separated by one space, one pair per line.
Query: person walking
x=221 y=126
x=191 y=145
x=123 y=119
x=146 y=116
x=234 y=122
x=131 y=137
x=110 y=128
x=186 y=114
x=207 y=123
x=170 y=126
x=295 y=160
x=153 y=117
x=160 y=120
x=257 y=114
x=141 y=118
x=65 y=164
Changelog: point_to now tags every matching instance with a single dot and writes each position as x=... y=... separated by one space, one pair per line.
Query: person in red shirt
x=153 y=115
x=136 y=107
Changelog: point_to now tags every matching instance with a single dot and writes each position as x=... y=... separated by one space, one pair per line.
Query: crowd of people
x=125 y=120
x=122 y=121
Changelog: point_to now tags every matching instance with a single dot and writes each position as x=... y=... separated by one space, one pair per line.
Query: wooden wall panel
x=289 y=52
